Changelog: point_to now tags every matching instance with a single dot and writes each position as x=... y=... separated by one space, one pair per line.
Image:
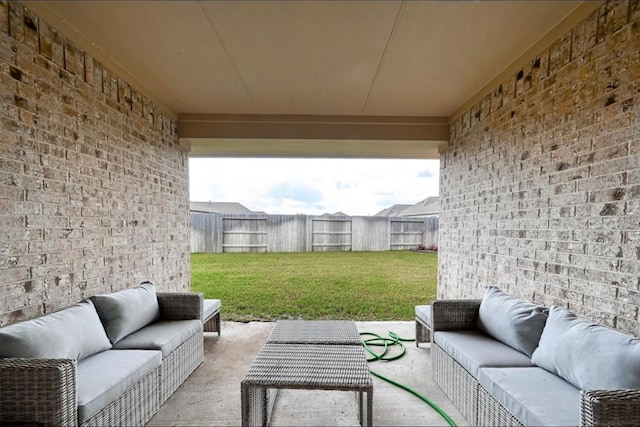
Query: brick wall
x=540 y=184
x=93 y=184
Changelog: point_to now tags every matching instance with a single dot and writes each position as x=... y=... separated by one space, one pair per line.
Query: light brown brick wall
x=540 y=184
x=93 y=184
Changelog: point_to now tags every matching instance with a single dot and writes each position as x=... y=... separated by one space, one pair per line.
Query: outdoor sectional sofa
x=506 y=361
x=110 y=360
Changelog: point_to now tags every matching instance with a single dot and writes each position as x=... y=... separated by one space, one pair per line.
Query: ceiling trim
x=223 y=135
x=312 y=127
x=311 y=148
x=569 y=22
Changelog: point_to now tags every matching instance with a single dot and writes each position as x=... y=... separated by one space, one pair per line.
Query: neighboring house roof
x=220 y=207
x=427 y=207
x=393 y=210
x=334 y=214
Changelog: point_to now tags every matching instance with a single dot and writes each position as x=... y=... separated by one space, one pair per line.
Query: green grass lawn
x=316 y=285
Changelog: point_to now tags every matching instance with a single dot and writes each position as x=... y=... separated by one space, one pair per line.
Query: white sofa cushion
x=127 y=311
x=209 y=307
x=473 y=350
x=104 y=377
x=423 y=312
x=513 y=321
x=72 y=333
x=589 y=356
x=534 y=396
x=165 y=336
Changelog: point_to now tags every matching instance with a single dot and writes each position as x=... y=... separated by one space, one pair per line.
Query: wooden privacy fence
x=216 y=233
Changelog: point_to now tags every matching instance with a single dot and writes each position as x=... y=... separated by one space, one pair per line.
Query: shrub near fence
x=215 y=233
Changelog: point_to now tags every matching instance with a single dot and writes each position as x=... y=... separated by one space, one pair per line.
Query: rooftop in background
x=427 y=207
x=220 y=207
x=393 y=210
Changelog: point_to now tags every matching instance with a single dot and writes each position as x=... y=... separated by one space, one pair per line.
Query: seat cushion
x=104 y=377
x=473 y=349
x=209 y=307
x=534 y=396
x=165 y=336
x=423 y=312
x=513 y=321
x=127 y=311
x=590 y=356
x=72 y=333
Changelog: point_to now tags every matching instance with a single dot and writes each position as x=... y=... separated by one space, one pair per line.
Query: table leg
x=370 y=407
x=256 y=405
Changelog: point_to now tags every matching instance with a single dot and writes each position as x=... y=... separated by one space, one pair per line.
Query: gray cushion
x=127 y=311
x=72 y=333
x=209 y=307
x=533 y=395
x=104 y=377
x=589 y=356
x=165 y=336
x=515 y=322
x=423 y=312
x=473 y=350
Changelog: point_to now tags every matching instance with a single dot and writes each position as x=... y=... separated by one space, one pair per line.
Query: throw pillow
x=125 y=312
x=589 y=356
x=72 y=333
x=513 y=321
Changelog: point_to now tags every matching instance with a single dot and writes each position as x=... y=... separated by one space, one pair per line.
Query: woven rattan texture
x=179 y=364
x=41 y=391
x=459 y=386
x=304 y=366
x=610 y=407
x=344 y=332
x=455 y=314
x=330 y=367
x=423 y=332
x=598 y=407
x=213 y=323
x=134 y=408
x=492 y=413
x=258 y=405
x=180 y=306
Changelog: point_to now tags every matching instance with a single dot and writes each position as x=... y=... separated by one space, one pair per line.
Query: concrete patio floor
x=211 y=395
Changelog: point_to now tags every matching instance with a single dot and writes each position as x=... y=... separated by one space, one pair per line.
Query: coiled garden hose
x=386 y=343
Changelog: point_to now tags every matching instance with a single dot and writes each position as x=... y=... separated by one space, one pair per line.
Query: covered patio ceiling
x=313 y=78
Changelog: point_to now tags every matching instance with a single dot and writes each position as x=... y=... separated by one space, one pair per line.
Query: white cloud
x=313 y=186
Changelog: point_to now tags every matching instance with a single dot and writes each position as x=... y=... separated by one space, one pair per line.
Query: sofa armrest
x=455 y=314
x=38 y=391
x=609 y=407
x=180 y=306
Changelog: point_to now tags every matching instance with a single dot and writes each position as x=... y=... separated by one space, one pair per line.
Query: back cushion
x=72 y=333
x=127 y=311
x=513 y=321
x=589 y=356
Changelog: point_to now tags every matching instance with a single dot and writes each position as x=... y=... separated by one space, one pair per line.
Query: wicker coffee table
x=304 y=366
x=343 y=332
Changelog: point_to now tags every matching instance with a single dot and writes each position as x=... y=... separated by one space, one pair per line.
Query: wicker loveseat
x=506 y=361
x=110 y=360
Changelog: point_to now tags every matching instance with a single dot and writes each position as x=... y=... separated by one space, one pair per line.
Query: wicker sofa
x=506 y=361
x=110 y=360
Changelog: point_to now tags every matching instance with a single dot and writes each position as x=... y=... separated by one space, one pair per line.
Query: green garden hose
x=395 y=340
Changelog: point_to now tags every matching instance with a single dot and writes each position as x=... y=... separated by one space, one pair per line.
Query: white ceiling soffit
x=326 y=58
x=313 y=136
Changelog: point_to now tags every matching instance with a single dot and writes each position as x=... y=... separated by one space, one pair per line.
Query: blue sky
x=313 y=186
